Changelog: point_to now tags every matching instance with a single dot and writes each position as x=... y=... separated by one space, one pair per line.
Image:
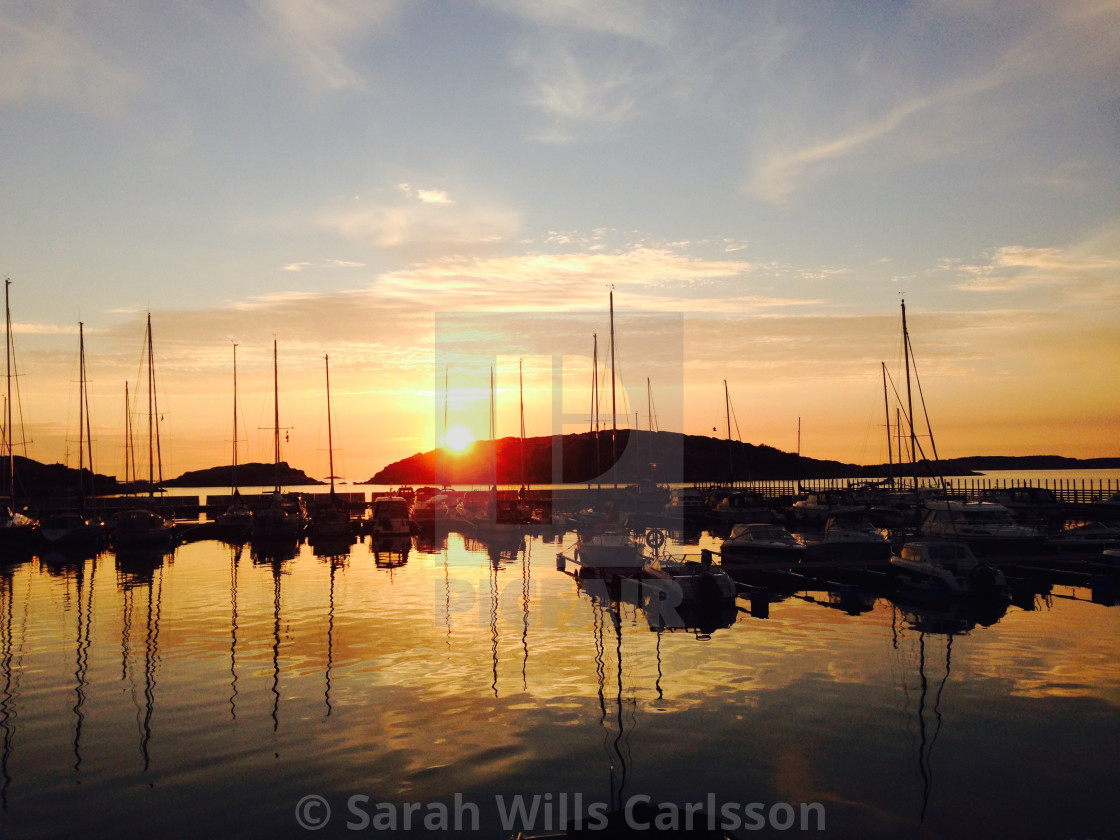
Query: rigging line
x=910 y=423
x=738 y=435
x=922 y=400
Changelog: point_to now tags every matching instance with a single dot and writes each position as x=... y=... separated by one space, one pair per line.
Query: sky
x=760 y=186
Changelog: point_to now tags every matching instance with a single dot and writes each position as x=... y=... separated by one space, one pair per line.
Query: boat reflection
x=390 y=552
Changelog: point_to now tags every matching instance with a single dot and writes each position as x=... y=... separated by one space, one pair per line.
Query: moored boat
x=850 y=538
x=140 y=529
x=609 y=547
x=73 y=531
x=987 y=527
x=758 y=542
x=946 y=568
x=389 y=517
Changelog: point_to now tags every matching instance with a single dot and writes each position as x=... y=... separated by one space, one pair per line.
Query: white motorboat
x=610 y=548
x=699 y=582
x=987 y=527
x=389 y=517
x=946 y=567
x=851 y=538
x=761 y=542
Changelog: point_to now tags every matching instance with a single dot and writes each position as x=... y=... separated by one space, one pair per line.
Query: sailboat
x=76 y=530
x=499 y=520
x=606 y=543
x=142 y=528
x=283 y=519
x=235 y=522
x=331 y=522
x=17 y=531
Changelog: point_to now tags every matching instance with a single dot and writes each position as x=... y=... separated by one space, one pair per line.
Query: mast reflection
x=11 y=667
x=947 y=619
x=137 y=571
x=275 y=555
x=234 y=565
x=82 y=645
x=336 y=562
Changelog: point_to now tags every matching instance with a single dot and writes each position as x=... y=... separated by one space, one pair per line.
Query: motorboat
x=686 y=504
x=609 y=547
x=698 y=581
x=946 y=568
x=1035 y=506
x=389 y=517
x=987 y=527
x=817 y=507
x=848 y=538
x=432 y=511
x=739 y=506
x=1085 y=537
x=756 y=542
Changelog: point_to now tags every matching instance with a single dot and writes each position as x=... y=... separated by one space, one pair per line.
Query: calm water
x=210 y=690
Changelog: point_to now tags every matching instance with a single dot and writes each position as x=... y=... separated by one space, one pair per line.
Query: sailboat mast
x=797 y=470
x=151 y=410
x=83 y=409
x=8 y=402
x=129 y=455
x=887 y=415
x=233 y=468
x=493 y=439
x=614 y=410
x=330 y=439
x=730 y=458
x=440 y=463
x=909 y=400
x=521 y=394
x=595 y=399
x=649 y=421
x=276 y=417
x=155 y=456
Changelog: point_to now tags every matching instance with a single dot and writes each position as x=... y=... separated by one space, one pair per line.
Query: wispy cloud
x=300 y=266
x=1086 y=271
x=47 y=57
x=655 y=279
x=900 y=122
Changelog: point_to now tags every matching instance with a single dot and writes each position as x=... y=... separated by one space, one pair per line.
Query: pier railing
x=1067 y=490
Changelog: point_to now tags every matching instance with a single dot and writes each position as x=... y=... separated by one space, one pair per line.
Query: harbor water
x=444 y=683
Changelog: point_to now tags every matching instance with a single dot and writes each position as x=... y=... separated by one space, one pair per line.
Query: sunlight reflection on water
x=208 y=689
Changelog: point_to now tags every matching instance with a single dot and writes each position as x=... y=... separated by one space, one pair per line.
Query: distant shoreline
x=710 y=465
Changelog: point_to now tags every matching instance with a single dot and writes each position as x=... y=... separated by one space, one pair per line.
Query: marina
x=232 y=680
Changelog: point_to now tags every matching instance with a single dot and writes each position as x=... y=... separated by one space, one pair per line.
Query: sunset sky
x=760 y=183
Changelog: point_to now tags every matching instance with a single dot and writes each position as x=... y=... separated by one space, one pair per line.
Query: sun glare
x=459 y=438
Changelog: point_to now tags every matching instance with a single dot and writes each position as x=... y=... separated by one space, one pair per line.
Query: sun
x=459 y=438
